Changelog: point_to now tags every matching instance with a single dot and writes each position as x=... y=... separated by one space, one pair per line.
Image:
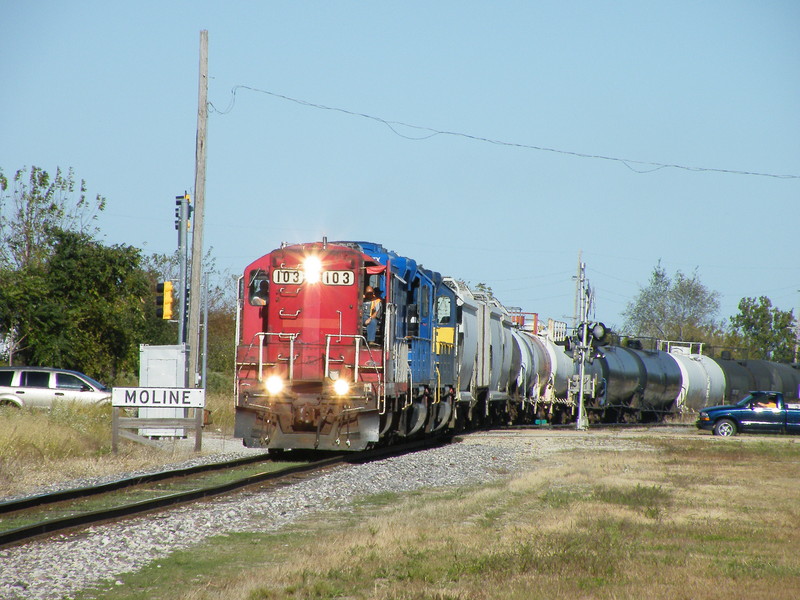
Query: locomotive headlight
x=341 y=387
x=312 y=266
x=274 y=384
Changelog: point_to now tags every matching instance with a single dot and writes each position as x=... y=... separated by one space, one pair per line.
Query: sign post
x=155 y=398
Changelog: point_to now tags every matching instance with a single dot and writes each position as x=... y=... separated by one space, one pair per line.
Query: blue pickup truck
x=758 y=412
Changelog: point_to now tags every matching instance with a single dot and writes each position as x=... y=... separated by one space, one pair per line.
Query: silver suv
x=39 y=387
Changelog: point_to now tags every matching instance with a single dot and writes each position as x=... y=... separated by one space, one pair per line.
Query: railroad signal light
x=164 y=300
x=599 y=334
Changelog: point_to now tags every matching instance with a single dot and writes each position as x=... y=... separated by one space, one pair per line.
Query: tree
x=680 y=308
x=767 y=331
x=67 y=300
x=38 y=207
x=87 y=308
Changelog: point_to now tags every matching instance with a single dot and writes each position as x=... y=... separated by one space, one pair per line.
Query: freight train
x=628 y=384
x=347 y=345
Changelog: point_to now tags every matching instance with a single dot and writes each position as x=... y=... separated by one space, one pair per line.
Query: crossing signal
x=183 y=211
x=164 y=300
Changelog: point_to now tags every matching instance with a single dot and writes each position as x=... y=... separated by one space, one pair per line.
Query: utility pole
x=796 y=332
x=578 y=291
x=199 y=207
x=583 y=343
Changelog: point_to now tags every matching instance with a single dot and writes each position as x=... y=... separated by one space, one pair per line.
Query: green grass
x=586 y=530
x=70 y=440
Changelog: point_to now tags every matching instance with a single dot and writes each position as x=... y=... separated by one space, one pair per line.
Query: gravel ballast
x=60 y=566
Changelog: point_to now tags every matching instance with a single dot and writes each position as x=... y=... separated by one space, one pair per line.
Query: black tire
x=725 y=428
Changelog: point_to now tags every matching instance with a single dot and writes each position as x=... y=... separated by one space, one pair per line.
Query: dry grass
x=39 y=448
x=693 y=519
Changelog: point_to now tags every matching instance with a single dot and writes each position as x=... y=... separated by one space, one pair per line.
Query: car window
x=35 y=379
x=69 y=381
x=99 y=385
x=5 y=377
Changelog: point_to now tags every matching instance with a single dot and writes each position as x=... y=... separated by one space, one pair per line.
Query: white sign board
x=138 y=397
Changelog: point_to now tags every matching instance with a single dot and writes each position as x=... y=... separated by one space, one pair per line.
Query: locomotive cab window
x=424 y=302
x=258 y=288
x=443 y=310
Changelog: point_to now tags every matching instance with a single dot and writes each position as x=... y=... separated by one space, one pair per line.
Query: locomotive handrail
x=261 y=335
x=358 y=339
x=283 y=315
x=285 y=294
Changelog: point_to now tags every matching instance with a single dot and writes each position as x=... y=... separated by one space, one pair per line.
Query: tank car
x=632 y=385
x=710 y=381
x=702 y=380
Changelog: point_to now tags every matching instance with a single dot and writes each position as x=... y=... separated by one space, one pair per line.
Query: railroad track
x=81 y=516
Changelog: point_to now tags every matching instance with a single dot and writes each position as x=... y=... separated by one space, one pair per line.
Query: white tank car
x=703 y=381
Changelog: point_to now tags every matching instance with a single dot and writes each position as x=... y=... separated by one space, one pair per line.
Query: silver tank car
x=711 y=381
x=702 y=381
x=540 y=373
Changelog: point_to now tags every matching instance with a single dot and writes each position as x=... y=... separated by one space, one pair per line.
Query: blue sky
x=110 y=89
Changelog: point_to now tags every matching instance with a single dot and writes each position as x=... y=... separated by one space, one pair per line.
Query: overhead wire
x=432 y=132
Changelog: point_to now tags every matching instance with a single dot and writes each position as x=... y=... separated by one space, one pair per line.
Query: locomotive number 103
x=296 y=277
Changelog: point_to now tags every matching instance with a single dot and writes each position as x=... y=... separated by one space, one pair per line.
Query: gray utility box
x=160 y=367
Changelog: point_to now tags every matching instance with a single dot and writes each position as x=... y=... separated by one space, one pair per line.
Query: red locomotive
x=312 y=353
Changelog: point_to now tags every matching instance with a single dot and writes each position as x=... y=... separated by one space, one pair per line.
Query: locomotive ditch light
x=341 y=387
x=274 y=385
x=312 y=266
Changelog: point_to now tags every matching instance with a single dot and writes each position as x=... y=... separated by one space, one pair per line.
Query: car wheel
x=725 y=427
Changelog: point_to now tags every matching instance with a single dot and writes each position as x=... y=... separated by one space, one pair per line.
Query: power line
x=431 y=132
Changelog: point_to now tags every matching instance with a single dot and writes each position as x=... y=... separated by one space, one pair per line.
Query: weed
x=562 y=497
x=650 y=500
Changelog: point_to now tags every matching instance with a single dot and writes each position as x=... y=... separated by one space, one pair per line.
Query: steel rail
x=38 y=500
x=28 y=532
x=53 y=525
